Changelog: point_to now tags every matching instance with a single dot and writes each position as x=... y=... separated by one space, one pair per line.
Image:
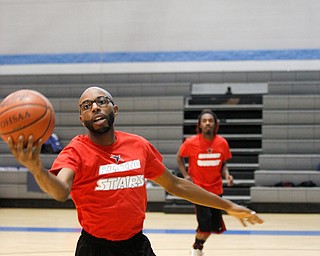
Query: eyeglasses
x=100 y=101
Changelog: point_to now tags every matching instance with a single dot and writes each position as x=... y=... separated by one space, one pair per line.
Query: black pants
x=138 y=245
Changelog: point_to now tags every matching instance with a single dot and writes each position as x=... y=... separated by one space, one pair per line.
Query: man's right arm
x=59 y=186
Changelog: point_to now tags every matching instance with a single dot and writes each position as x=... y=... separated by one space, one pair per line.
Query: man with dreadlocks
x=207 y=154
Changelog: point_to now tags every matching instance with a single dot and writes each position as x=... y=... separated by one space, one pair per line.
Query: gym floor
x=47 y=232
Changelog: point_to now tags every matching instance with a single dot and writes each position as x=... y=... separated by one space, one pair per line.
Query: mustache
x=99 y=115
x=102 y=130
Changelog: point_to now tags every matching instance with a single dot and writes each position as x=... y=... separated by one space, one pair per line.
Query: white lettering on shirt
x=208 y=162
x=127 y=166
x=214 y=159
x=120 y=182
x=206 y=156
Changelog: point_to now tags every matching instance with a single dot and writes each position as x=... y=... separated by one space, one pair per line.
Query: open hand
x=29 y=156
x=245 y=215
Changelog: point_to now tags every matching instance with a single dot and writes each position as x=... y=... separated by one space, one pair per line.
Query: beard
x=110 y=118
x=207 y=131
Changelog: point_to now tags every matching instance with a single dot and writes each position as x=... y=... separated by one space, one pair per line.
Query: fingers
x=252 y=218
x=243 y=222
x=29 y=155
x=256 y=218
x=30 y=143
x=10 y=144
x=38 y=147
x=19 y=149
x=230 y=180
x=20 y=143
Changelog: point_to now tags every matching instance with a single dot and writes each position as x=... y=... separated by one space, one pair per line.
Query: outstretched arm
x=193 y=193
x=56 y=186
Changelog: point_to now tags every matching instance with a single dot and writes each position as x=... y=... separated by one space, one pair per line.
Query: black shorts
x=138 y=245
x=209 y=220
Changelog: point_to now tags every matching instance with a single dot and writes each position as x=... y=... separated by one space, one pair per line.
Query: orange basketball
x=26 y=112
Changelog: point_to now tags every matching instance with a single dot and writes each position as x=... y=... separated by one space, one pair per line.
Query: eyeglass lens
x=100 y=101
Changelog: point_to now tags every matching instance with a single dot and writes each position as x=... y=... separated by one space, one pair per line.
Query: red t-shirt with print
x=109 y=189
x=205 y=159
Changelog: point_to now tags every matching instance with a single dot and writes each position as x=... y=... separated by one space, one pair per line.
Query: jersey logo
x=117 y=158
x=120 y=183
x=123 y=167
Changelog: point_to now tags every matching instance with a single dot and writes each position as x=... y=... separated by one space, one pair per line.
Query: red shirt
x=205 y=161
x=109 y=189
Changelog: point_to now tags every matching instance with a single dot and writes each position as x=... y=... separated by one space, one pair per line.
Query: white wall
x=85 y=26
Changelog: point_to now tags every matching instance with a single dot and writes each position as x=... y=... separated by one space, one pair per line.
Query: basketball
x=26 y=112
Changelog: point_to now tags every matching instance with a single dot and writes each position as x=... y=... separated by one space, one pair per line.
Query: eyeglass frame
x=108 y=100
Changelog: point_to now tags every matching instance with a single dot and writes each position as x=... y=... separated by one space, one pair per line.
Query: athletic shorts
x=138 y=245
x=209 y=220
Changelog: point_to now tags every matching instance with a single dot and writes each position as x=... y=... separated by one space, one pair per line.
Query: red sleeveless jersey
x=205 y=160
x=109 y=189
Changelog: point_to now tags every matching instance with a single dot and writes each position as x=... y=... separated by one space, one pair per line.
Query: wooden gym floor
x=47 y=232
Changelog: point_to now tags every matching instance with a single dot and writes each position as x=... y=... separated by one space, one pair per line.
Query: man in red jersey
x=104 y=172
x=207 y=155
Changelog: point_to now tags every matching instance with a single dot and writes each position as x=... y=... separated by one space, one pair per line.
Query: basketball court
x=46 y=232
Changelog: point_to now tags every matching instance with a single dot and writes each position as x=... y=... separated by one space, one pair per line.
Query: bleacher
x=240 y=118
x=273 y=130
x=290 y=147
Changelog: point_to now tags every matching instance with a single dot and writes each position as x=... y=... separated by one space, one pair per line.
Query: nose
x=94 y=106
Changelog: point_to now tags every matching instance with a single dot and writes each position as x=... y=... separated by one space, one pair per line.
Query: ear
x=115 y=110
x=80 y=118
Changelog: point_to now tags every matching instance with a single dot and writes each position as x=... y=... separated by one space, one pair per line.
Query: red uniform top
x=109 y=189
x=205 y=161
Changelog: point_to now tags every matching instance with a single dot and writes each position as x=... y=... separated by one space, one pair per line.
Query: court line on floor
x=171 y=231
